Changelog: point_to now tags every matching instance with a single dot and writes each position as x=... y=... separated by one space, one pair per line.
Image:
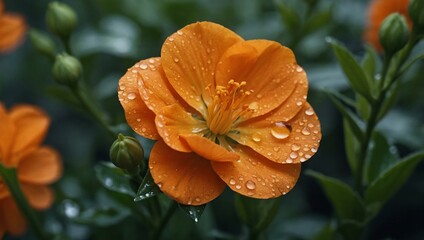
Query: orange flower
x=12 y=29
x=22 y=130
x=377 y=12
x=225 y=112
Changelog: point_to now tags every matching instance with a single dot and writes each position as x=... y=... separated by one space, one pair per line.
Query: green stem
x=388 y=78
x=91 y=108
x=169 y=212
x=10 y=178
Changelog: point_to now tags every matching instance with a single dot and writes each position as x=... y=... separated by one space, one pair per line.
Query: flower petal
x=31 y=126
x=185 y=177
x=257 y=177
x=39 y=197
x=12 y=31
x=155 y=89
x=8 y=131
x=139 y=117
x=266 y=137
x=209 y=150
x=172 y=122
x=189 y=58
x=11 y=217
x=41 y=166
x=271 y=78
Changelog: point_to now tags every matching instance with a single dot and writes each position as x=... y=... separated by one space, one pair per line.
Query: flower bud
x=61 y=19
x=127 y=153
x=67 y=69
x=394 y=33
x=42 y=43
x=416 y=13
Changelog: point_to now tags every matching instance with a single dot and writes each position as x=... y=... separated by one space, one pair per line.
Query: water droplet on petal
x=250 y=185
x=299 y=103
x=280 y=131
x=143 y=66
x=299 y=69
x=295 y=147
x=232 y=181
x=293 y=155
x=306 y=131
x=176 y=60
x=314 y=150
x=238 y=187
x=253 y=106
x=179 y=32
x=309 y=112
x=256 y=137
x=131 y=96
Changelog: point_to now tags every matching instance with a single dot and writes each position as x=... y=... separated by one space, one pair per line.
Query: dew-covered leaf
x=147 y=189
x=194 y=212
x=346 y=202
x=114 y=178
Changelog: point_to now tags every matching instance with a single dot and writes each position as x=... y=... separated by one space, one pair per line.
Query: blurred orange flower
x=22 y=130
x=377 y=12
x=12 y=29
x=225 y=112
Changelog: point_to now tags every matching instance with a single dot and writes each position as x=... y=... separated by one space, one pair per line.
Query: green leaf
x=194 y=212
x=315 y=22
x=353 y=71
x=352 y=146
x=351 y=229
x=346 y=202
x=370 y=63
x=389 y=182
x=147 y=189
x=388 y=103
x=257 y=214
x=347 y=114
x=290 y=17
x=114 y=178
x=381 y=155
x=101 y=216
x=363 y=107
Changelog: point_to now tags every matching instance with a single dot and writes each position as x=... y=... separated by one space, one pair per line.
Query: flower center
x=226 y=106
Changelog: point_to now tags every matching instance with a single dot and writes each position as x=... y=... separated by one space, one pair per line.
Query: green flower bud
x=127 y=153
x=67 y=69
x=42 y=43
x=416 y=13
x=394 y=33
x=61 y=19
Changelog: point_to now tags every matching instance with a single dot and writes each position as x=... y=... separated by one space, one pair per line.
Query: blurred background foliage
x=113 y=34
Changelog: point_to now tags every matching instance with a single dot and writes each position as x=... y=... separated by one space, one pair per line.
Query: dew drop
x=280 y=131
x=288 y=160
x=238 y=187
x=143 y=66
x=131 y=96
x=314 y=150
x=306 y=131
x=299 y=103
x=295 y=147
x=276 y=149
x=293 y=155
x=176 y=60
x=309 y=112
x=232 y=181
x=253 y=106
x=179 y=32
x=256 y=137
x=299 y=69
x=250 y=185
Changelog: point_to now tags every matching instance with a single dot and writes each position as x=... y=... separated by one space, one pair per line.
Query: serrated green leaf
x=257 y=214
x=315 y=22
x=389 y=182
x=353 y=71
x=346 y=202
x=147 y=189
x=352 y=146
x=194 y=212
x=381 y=155
x=114 y=178
x=347 y=114
x=290 y=17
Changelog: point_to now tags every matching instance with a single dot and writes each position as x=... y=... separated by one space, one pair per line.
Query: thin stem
x=9 y=176
x=89 y=106
x=169 y=212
